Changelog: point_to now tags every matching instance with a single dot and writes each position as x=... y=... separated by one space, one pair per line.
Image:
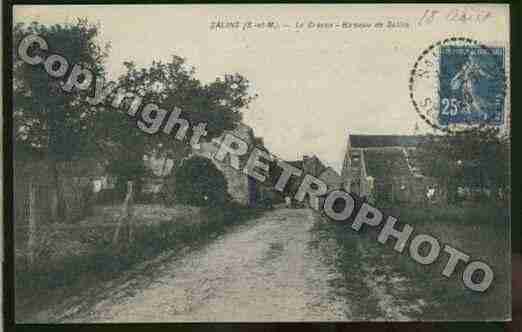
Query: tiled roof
x=296 y=163
x=382 y=163
x=368 y=141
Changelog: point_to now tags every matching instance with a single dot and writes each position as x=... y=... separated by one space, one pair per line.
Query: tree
x=477 y=158
x=63 y=126
x=45 y=116
x=47 y=119
x=172 y=85
x=200 y=183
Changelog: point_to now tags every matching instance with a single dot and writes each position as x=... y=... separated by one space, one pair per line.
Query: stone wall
x=237 y=181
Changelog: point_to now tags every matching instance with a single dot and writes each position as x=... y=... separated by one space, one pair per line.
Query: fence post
x=126 y=213
x=393 y=192
x=31 y=241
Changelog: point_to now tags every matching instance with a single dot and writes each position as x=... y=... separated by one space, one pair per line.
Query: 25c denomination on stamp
x=458 y=83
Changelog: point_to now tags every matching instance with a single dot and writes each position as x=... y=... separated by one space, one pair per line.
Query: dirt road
x=263 y=271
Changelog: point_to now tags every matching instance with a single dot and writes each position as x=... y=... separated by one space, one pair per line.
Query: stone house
x=160 y=168
x=311 y=165
x=332 y=179
x=241 y=187
x=382 y=168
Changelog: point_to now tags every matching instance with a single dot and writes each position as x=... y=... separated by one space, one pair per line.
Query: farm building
x=382 y=167
x=309 y=165
x=332 y=179
x=312 y=165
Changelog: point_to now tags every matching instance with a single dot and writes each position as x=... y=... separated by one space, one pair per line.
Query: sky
x=315 y=85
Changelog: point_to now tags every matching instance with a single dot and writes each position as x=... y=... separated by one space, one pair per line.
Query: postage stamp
x=459 y=83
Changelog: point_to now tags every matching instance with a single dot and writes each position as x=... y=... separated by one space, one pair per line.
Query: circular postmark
x=458 y=83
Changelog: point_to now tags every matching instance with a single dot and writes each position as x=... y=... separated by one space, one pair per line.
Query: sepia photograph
x=261 y=163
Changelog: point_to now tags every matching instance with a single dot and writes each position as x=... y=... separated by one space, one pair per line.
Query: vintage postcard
x=261 y=163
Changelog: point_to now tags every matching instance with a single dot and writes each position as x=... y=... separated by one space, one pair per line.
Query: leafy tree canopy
x=476 y=158
x=46 y=118
x=173 y=85
x=66 y=126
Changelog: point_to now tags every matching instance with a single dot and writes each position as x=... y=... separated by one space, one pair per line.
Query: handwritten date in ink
x=457 y=15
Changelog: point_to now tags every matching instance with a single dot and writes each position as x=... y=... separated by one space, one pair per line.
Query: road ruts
x=263 y=271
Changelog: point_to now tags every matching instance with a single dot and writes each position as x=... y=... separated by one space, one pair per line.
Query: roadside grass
x=422 y=293
x=40 y=285
x=343 y=254
x=482 y=232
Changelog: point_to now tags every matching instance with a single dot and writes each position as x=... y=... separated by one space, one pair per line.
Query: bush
x=109 y=196
x=199 y=183
x=128 y=170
